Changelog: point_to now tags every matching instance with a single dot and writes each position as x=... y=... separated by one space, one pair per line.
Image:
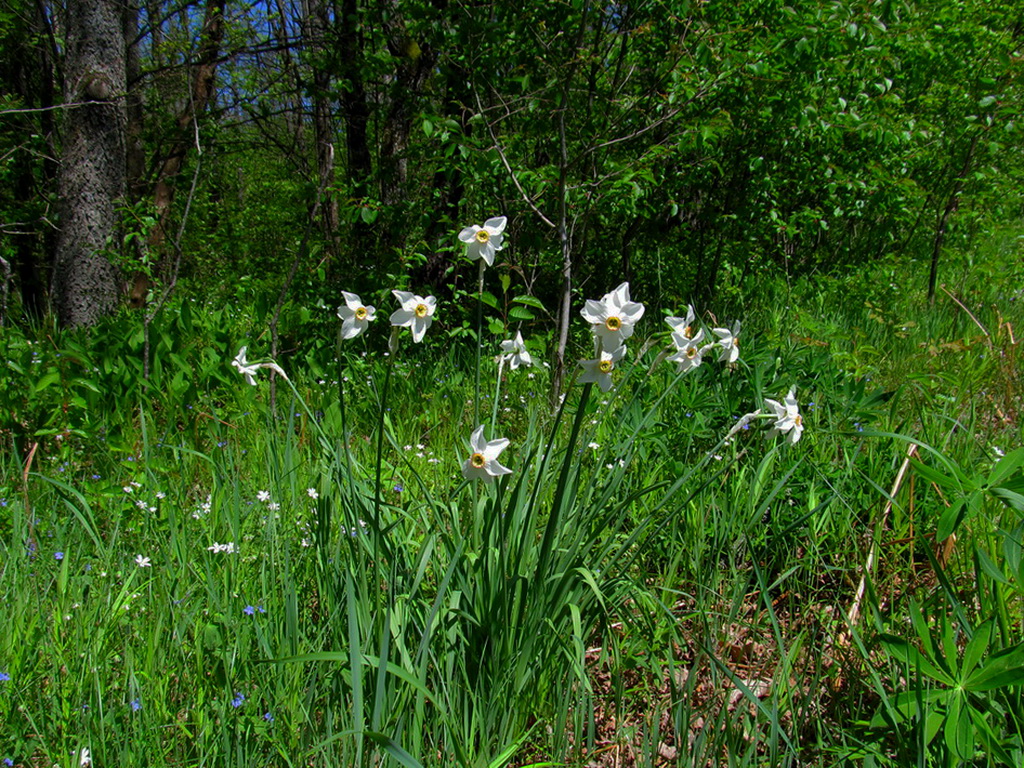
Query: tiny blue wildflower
x=58 y=555
x=269 y=717
x=238 y=701
x=248 y=610
x=4 y=677
x=136 y=705
x=95 y=477
x=398 y=488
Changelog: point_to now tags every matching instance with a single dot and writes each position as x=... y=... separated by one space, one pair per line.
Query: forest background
x=181 y=179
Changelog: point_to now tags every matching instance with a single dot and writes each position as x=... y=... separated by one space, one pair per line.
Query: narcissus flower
x=688 y=354
x=244 y=368
x=354 y=315
x=729 y=342
x=788 y=420
x=249 y=370
x=417 y=313
x=483 y=242
x=599 y=370
x=515 y=353
x=683 y=326
x=613 y=317
x=483 y=462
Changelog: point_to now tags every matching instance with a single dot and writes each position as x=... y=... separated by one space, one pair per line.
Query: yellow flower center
x=613 y=323
x=482 y=236
x=361 y=313
x=799 y=420
x=691 y=352
x=606 y=366
x=421 y=310
x=477 y=460
x=687 y=332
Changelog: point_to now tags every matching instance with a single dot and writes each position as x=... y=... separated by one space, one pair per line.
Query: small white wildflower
x=142 y=562
x=312 y=493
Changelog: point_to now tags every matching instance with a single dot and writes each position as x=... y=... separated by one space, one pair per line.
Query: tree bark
x=202 y=90
x=952 y=203
x=356 y=113
x=92 y=172
x=315 y=30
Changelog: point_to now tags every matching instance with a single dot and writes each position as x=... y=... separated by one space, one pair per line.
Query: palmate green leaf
x=908 y=706
x=989 y=568
x=976 y=649
x=1006 y=466
x=958 y=731
x=1010 y=498
x=951 y=519
x=909 y=654
x=1002 y=669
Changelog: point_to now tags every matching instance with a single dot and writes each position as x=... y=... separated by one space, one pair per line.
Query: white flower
x=249 y=369
x=599 y=370
x=682 y=326
x=788 y=420
x=613 y=317
x=483 y=242
x=84 y=758
x=142 y=562
x=263 y=496
x=312 y=493
x=244 y=368
x=515 y=352
x=483 y=461
x=729 y=342
x=688 y=354
x=354 y=316
x=416 y=313
x=228 y=548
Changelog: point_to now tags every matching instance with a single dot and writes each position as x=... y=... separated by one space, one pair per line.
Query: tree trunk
x=202 y=90
x=315 y=30
x=92 y=172
x=356 y=113
x=951 y=205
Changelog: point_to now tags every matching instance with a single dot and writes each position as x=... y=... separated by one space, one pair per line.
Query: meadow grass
x=196 y=573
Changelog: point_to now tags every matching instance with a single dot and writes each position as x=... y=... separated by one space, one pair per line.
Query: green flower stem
x=497 y=395
x=479 y=339
x=393 y=347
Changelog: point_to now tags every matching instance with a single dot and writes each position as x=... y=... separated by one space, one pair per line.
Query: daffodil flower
x=354 y=315
x=244 y=367
x=729 y=342
x=613 y=317
x=483 y=462
x=788 y=420
x=417 y=313
x=599 y=370
x=688 y=354
x=249 y=370
x=483 y=242
x=682 y=326
x=515 y=353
